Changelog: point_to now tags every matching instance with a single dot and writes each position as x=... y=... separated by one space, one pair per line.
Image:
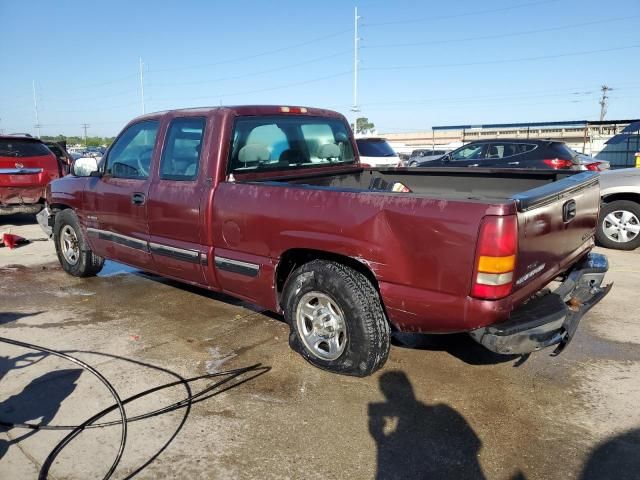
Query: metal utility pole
x=142 y=84
x=85 y=126
x=35 y=106
x=356 y=63
x=604 y=101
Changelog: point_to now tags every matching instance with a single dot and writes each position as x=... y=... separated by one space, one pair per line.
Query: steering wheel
x=144 y=160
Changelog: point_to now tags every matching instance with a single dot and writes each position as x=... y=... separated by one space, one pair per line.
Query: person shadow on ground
x=37 y=403
x=419 y=441
x=617 y=458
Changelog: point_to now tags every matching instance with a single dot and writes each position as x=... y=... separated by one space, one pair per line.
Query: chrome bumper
x=45 y=220
x=553 y=318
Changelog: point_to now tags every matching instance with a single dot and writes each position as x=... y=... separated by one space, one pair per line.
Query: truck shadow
x=460 y=345
x=17 y=220
x=418 y=440
x=39 y=402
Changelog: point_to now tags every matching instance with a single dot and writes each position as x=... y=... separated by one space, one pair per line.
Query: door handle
x=514 y=163
x=138 y=198
x=475 y=165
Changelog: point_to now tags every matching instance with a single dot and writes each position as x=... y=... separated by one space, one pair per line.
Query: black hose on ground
x=44 y=471
x=202 y=395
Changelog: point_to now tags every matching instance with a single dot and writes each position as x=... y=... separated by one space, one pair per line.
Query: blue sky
x=422 y=63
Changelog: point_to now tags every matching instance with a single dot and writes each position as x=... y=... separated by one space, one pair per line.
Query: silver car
x=619 y=223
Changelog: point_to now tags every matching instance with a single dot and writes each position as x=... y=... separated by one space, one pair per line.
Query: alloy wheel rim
x=69 y=245
x=621 y=226
x=321 y=325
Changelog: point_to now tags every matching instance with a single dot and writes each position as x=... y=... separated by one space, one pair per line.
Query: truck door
x=116 y=202
x=175 y=195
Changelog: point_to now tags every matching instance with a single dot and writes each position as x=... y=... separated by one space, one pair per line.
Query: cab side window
x=130 y=156
x=469 y=152
x=181 y=154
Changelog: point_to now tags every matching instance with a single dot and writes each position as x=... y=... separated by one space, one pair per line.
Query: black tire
x=88 y=264
x=606 y=209
x=367 y=331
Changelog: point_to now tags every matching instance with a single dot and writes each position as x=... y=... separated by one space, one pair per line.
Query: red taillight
x=495 y=257
x=596 y=166
x=558 y=163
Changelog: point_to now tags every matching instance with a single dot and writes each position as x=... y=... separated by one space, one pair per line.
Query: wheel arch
x=629 y=196
x=296 y=257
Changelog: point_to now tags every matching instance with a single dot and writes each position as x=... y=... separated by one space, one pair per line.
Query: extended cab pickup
x=270 y=204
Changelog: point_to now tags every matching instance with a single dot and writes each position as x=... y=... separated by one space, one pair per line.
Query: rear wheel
x=73 y=251
x=336 y=318
x=619 y=225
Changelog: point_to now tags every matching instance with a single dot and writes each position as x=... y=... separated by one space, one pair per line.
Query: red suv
x=26 y=167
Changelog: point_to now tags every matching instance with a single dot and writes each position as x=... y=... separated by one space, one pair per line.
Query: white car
x=376 y=152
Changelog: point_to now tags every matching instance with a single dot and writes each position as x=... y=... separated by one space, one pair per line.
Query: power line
x=255 y=55
x=499 y=35
x=490 y=62
x=252 y=74
x=457 y=15
x=247 y=92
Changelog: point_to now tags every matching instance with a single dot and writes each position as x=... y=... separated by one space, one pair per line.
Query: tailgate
x=26 y=172
x=556 y=224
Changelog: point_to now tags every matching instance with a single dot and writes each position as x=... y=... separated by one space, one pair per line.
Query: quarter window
x=181 y=153
x=506 y=149
x=130 y=156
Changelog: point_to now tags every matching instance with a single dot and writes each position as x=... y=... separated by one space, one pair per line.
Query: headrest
x=329 y=150
x=253 y=153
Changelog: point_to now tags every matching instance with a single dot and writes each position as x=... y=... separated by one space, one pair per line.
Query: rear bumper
x=551 y=319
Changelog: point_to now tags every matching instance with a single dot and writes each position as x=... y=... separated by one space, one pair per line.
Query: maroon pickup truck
x=270 y=204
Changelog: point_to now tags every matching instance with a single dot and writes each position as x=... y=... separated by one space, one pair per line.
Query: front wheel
x=336 y=318
x=619 y=225
x=73 y=251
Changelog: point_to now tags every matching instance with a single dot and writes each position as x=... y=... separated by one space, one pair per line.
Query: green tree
x=363 y=125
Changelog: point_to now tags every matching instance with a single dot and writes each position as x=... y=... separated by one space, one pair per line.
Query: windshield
x=10 y=147
x=286 y=141
x=374 y=147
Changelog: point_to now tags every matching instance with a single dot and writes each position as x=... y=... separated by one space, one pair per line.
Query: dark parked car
x=422 y=155
x=511 y=153
x=64 y=158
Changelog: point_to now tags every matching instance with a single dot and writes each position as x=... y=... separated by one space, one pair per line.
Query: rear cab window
x=374 y=147
x=20 y=148
x=276 y=142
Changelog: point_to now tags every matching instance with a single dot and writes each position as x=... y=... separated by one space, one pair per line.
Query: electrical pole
x=356 y=64
x=142 y=85
x=604 y=101
x=85 y=126
x=35 y=106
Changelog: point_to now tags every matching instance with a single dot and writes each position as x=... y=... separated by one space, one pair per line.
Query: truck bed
x=489 y=185
x=420 y=245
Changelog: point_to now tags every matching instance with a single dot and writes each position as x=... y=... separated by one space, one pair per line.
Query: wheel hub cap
x=69 y=245
x=621 y=226
x=321 y=325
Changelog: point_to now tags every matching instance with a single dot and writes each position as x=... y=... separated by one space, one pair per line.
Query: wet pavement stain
x=544 y=418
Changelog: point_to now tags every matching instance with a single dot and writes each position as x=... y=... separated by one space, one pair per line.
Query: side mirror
x=84 y=166
x=446 y=158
